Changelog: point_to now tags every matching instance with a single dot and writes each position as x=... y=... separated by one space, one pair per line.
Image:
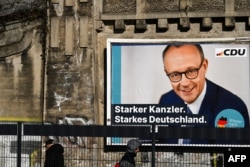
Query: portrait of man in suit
x=186 y=66
x=207 y=78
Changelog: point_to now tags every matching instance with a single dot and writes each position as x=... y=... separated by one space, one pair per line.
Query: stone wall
x=22 y=33
x=71 y=49
x=70 y=88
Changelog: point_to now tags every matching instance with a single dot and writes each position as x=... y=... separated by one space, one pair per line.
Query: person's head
x=49 y=143
x=186 y=67
x=133 y=146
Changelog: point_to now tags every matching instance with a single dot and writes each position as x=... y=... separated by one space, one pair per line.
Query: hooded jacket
x=128 y=159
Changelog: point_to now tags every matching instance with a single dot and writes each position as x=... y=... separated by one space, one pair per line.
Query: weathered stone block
x=54 y=32
x=83 y=31
x=69 y=42
x=119 y=25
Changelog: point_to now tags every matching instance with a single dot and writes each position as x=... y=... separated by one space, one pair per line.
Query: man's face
x=137 y=150
x=48 y=146
x=181 y=59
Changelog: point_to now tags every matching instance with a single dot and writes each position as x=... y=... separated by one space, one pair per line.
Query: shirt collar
x=195 y=106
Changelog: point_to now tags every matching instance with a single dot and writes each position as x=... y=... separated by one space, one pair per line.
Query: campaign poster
x=146 y=87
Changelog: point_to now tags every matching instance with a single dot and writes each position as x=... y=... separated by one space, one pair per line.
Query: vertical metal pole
x=153 y=145
x=19 y=143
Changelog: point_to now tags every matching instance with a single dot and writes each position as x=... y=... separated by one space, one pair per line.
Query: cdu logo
x=230 y=52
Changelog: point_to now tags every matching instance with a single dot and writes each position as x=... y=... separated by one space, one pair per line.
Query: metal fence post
x=95 y=155
x=153 y=145
x=19 y=143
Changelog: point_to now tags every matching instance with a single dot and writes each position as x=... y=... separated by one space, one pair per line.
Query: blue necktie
x=187 y=141
x=189 y=111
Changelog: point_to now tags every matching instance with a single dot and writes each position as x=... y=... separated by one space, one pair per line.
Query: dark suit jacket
x=216 y=99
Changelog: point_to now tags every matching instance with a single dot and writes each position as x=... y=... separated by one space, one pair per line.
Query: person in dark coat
x=54 y=154
x=128 y=159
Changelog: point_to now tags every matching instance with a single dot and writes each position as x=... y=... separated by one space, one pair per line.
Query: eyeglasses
x=190 y=74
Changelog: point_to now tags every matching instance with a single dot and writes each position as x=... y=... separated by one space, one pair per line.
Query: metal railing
x=22 y=145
